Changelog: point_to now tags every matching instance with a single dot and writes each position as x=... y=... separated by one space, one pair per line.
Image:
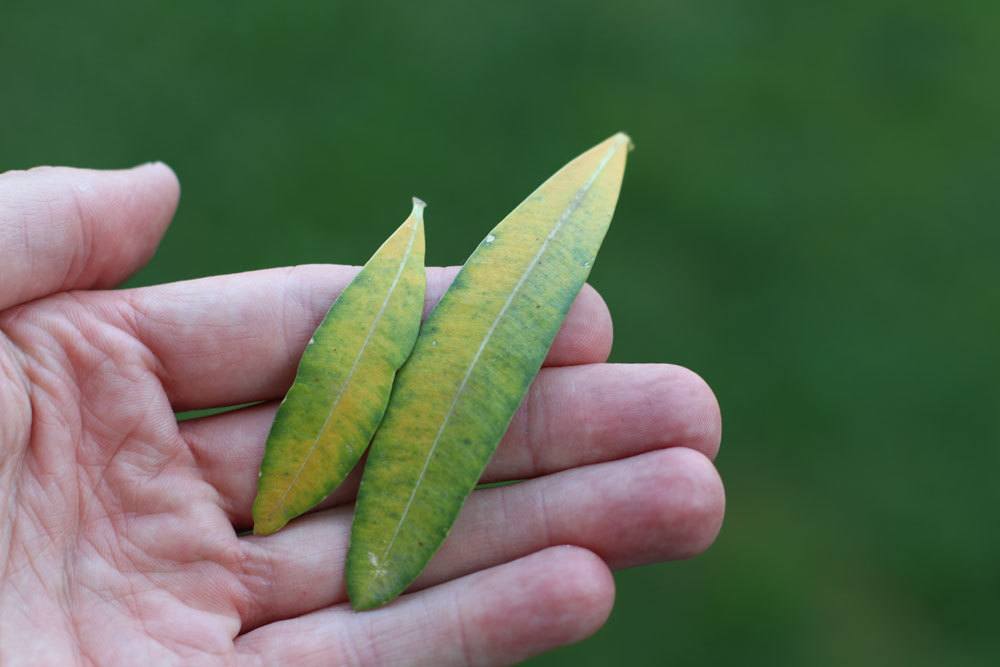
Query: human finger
x=237 y=339
x=659 y=506
x=495 y=617
x=572 y=416
x=63 y=228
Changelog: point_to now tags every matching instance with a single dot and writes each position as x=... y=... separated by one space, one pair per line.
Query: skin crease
x=120 y=529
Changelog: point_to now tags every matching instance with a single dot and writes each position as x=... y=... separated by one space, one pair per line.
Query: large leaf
x=471 y=366
x=344 y=380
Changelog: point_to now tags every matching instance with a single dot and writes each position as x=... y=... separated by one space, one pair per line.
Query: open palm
x=122 y=530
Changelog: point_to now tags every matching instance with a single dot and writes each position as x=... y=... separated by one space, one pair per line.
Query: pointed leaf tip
x=622 y=139
x=625 y=139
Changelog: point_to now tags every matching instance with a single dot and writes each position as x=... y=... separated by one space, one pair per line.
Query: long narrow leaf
x=471 y=366
x=344 y=379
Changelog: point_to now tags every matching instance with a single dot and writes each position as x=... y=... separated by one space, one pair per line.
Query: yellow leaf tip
x=622 y=138
x=418 y=206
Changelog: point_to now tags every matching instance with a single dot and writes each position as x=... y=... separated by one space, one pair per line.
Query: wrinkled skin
x=122 y=530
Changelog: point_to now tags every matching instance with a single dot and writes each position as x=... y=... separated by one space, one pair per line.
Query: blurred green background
x=809 y=221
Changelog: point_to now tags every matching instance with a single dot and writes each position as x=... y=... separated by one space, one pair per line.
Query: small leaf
x=470 y=368
x=344 y=379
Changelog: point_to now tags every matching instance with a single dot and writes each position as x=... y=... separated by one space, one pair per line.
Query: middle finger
x=574 y=415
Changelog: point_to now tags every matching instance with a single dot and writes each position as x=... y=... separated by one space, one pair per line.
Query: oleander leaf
x=344 y=379
x=475 y=358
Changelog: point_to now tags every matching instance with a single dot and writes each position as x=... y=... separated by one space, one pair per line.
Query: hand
x=120 y=527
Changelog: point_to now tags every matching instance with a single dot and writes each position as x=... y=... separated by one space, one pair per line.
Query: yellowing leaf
x=470 y=368
x=344 y=379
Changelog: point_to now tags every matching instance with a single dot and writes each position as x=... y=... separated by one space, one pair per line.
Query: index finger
x=235 y=339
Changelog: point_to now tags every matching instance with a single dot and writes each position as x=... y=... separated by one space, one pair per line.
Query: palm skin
x=122 y=530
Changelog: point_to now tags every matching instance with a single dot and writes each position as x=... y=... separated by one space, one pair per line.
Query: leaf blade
x=472 y=363
x=344 y=379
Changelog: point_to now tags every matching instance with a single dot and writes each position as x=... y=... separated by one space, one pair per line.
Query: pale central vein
x=574 y=204
x=350 y=373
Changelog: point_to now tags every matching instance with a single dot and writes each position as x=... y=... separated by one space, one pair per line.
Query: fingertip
x=162 y=183
x=147 y=197
x=602 y=324
x=685 y=408
x=586 y=591
x=565 y=594
x=587 y=332
x=704 y=412
x=688 y=500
